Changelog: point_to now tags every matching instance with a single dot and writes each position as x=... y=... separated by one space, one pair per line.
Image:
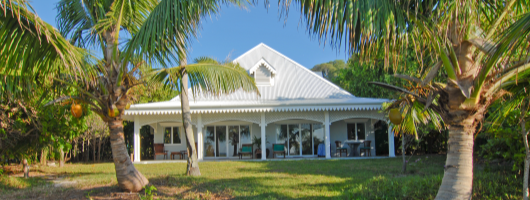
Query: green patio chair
x=278 y=149
x=341 y=149
x=366 y=148
x=246 y=149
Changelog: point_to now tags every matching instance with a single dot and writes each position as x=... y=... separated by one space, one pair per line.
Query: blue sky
x=235 y=31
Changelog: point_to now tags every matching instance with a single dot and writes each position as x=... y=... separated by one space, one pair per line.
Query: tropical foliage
x=454 y=36
x=330 y=69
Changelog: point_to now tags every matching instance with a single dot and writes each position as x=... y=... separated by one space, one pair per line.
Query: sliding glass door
x=307 y=139
x=233 y=138
x=209 y=142
x=225 y=141
x=220 y=141
x=301 y=139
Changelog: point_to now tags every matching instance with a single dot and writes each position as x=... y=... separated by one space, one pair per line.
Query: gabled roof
x=295 y=88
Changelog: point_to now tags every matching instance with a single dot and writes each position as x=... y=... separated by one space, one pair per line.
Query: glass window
x=167 y=135
x=176 y=135
x=220 y=140
x=281 y=134
x=307 y=141
x=209 y=143
x=351 y=131
x=245 y=135
x=360 y=131
x=233 y=138
x=318 y=136
x=294 y=139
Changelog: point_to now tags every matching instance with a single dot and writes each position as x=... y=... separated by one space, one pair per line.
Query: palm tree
x=206 y=76
x=31 y=50
x=453 y=36
x=414 y=113
x=160 y=32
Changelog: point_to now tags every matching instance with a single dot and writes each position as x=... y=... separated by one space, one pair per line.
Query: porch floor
x=259 y=160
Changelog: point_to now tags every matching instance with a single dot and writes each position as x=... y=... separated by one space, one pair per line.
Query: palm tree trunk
x=458 y=176
x=193 y=162
x=129 y=179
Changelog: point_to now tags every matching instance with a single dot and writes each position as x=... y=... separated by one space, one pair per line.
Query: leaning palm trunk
x=129 y=179
x=193 y=163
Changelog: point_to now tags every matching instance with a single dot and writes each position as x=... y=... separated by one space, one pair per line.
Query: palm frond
x=219 y=80
x=168 y=29
x=32 y=48
x=83 y=20
x=208 y=77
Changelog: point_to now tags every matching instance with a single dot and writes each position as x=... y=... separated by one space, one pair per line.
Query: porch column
x=136 y=148
x=200 y=138
x=327 y=130
x=263 y=139
x=391 y=149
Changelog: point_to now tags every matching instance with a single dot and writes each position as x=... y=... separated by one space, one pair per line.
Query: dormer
x=263 y=73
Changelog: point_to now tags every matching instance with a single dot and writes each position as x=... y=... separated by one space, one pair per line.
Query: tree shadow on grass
x=313 y=179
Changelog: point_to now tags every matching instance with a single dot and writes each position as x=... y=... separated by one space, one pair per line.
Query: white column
x=263 y=125
x=136 y=138
x=326 y=137
x=391 y=149
x=200 y=138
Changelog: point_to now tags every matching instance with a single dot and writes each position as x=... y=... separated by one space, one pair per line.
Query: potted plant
x=257 y=141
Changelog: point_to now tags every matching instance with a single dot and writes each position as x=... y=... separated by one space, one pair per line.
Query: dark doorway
x=381 y=138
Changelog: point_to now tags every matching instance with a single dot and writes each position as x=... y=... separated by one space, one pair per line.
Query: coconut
x=76 y=110
x=395 y=116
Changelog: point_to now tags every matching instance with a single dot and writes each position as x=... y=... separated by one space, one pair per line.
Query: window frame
x=172 y=133
x=356 y=132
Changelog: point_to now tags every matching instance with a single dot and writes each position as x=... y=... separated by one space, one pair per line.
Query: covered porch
x=220 y=136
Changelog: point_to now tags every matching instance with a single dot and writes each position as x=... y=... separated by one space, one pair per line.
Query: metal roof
x=295 y=88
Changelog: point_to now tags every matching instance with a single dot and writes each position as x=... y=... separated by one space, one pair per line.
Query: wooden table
x=353 y=145
x=180 y=153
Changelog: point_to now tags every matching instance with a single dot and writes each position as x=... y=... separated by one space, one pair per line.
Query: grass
x=307 y=179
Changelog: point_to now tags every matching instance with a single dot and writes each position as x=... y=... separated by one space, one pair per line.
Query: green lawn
x=312 y=179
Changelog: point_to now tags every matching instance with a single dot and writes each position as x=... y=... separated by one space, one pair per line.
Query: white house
x=297 y=108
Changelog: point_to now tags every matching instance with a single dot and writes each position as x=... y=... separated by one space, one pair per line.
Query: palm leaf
x=168 y=29
x=32 y=48
x=208 y=77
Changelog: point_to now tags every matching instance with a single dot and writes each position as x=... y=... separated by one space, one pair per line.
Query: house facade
x=297 y=108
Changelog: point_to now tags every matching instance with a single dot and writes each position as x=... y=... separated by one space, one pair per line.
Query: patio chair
x=159 y=150
x=366 y=148
x=246 y=149
x=340 y=149
x=278 y=149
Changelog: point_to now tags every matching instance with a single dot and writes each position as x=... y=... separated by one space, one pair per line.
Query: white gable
x=292 y=81
x=292 y=87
